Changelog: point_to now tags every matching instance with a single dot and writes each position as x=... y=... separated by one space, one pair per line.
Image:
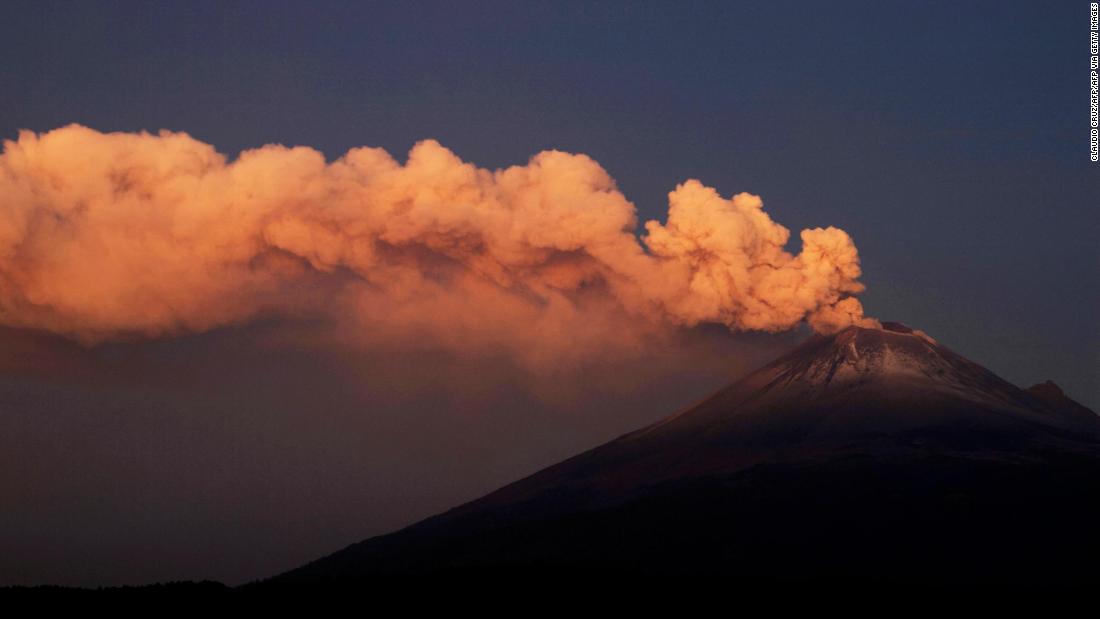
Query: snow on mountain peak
x=857 y=353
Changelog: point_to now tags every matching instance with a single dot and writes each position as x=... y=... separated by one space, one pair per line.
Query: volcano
x=868 y=455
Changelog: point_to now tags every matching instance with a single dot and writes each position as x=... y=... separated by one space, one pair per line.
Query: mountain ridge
x=888 y=409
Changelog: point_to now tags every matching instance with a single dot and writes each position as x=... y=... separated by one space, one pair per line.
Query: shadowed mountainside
x=870 y=455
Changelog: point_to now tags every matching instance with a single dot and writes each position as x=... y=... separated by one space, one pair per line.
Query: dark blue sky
x=950 y=139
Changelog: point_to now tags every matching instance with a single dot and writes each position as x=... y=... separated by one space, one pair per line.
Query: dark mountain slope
x=876 y=455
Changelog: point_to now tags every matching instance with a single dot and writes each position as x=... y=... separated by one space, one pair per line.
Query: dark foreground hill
x=871 y=457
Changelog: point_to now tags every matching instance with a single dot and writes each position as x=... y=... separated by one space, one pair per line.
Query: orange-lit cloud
x=105 y=235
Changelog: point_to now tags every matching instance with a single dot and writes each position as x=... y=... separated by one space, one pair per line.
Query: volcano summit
x=869 y=455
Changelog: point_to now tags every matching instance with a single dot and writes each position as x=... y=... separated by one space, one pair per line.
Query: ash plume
x=116 y=235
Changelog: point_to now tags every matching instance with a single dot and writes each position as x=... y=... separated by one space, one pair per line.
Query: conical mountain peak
x=845 y=423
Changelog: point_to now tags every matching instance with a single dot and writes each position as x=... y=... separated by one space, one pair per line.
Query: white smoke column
x=124 y=234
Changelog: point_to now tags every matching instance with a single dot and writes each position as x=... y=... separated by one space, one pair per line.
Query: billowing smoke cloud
x=122 y=234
